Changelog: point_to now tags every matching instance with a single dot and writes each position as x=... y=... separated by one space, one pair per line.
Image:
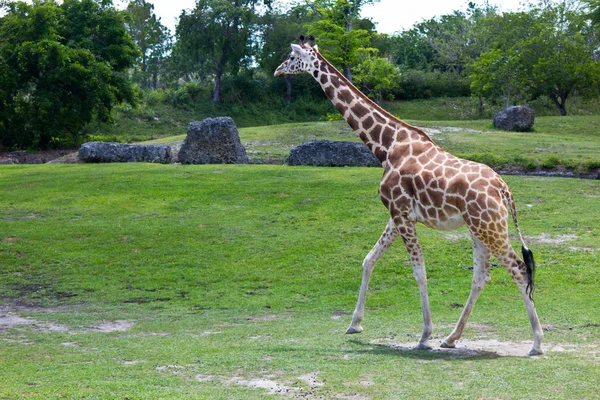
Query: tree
x=216 y=37
x=279 y=29
x=376 y=76
x=594 y=11
x=61 y=67
x=546 y=51
x=338 y=39
x=152 y=38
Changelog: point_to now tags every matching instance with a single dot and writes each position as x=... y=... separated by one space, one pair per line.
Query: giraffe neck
x=374 y=125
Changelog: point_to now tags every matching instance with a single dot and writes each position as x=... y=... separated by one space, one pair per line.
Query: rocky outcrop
x=516 y=118
x=108 y=152
x=329 y=153
x=213 y=141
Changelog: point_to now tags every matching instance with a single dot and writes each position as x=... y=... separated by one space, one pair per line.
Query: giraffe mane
x=371 y=102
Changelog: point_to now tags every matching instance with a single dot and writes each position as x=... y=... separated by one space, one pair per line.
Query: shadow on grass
x=434 y=354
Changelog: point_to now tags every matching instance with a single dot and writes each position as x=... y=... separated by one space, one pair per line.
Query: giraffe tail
x=527 y=254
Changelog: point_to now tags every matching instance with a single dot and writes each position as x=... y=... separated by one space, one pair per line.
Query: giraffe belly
x=443 y=221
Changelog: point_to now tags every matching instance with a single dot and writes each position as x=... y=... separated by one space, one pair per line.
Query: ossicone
x=307 y=44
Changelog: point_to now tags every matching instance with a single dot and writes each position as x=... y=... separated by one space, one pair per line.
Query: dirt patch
x=270 y=385
x=557 y=240
x=115 y=326
x=10 y=320
x=41 y=157
x=479 y=348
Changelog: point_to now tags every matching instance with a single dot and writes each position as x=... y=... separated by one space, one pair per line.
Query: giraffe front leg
x=385 y=241
x=409 y=236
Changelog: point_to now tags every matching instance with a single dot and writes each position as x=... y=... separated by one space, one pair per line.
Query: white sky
x=390 y=15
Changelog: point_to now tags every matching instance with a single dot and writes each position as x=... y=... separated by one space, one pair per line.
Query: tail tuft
x=529 y=269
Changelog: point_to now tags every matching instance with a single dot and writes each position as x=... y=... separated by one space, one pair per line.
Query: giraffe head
x=301 y=59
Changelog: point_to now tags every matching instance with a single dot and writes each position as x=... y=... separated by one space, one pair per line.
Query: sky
x=390 y=15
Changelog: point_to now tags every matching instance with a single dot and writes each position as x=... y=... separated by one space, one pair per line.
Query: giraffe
x=424 y=184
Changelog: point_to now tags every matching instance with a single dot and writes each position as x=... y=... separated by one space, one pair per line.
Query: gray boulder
x=516 y=118
x=330 y=153
x=107 y=152
x=213 y=141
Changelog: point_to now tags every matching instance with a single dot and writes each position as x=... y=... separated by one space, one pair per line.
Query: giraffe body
x=422 y=183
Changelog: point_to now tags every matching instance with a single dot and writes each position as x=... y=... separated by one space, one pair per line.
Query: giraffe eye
x=292 y=58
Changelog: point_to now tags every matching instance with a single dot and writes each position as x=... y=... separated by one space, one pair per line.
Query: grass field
x=211 y=282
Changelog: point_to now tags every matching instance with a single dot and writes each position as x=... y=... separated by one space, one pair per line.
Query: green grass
x=234 y=273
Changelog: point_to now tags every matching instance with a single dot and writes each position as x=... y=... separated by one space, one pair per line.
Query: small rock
x=330 y=153
x=515 y=118
x=107 y=152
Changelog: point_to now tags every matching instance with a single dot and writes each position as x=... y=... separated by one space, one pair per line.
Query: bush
x=417 y=84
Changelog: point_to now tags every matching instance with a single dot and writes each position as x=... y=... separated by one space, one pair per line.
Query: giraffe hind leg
x=521 y=272
x=481 y=277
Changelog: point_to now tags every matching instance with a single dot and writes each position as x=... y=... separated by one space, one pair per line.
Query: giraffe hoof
x=354 y=329
x=534 y=352
x=422 y=346
x=445 y=345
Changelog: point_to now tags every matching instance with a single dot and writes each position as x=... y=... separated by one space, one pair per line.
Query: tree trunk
x=560 y=103
x=288 y=88
x=217 y=90
x=347 y=72
x=481 y=107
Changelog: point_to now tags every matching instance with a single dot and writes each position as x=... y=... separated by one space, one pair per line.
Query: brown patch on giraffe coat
x=459 y=187
x=346 y=96
x=352 y=122
x=324 y=79
x=378 y=117
x=359 y=110
x=335 y=81
x=406 y=184
x=367 y=123
x=387 y=137
x=330 y=92
x=375 y=133
x=341 y=108
x=316 y=74
x=381 y=154
x=398 y=152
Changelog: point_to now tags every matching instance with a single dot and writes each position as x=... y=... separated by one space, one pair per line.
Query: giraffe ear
x=296 y=48
x=316 y=48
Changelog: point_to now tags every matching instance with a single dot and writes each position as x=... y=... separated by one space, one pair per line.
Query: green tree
x=376 y=76
x=594 y=11
x=152 y=38
x=279 y=29
x=546 y=51
x=61 y=67
x=336 y=30
x=216 y=37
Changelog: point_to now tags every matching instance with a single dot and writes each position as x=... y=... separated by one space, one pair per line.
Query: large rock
x=107 y=152
x=516 y=118
x=213 y=141
x=329 y=153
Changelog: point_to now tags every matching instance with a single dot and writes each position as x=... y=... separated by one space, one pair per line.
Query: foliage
x=215 y=37
x=339 y=32
x=153 y=40
x=543 y=52
x=61 y=67
x=376 y=77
